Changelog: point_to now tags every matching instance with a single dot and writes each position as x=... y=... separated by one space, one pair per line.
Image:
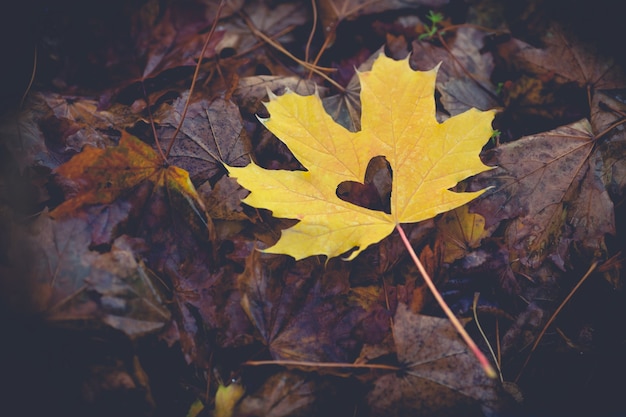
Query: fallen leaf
x=212 y=134
x=301 y=311
x=251 y=90
x=461 y=232
x=345 y=107
x=398 y=122
x=464 y=78
x=438 y=375
x=101 y=176
x=293 y=393
x=174 y=37
x=266 y=17
x=333 y=12
x=67 y=282
x=549 y=186
x=570 y=60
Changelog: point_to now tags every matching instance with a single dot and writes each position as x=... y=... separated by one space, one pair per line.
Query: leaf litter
x=162 y=250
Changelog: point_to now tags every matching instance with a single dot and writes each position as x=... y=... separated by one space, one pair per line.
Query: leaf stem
x=491 y=373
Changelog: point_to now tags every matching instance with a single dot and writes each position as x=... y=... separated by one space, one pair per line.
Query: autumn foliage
x=199 y=207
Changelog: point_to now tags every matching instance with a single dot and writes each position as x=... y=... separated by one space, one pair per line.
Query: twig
x=319 y=71
x=306 y=364
x=491 y=373
x=482 y=333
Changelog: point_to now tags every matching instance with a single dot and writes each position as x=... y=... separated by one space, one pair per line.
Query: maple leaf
x=100 y=176
x=431 y=359
x=461 y=231
x=398 y=122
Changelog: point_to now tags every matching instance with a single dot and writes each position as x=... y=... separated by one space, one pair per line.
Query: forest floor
x=131 y=280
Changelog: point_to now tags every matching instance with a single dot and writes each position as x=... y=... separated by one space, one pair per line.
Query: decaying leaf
x=211 y=134
x=67 y=282
x=102 y=176
x=570 y=60
x=550 y=184
x=462 y=231
x=300 y=311
x=439 y=376
x=398 y=122
x=464 y=77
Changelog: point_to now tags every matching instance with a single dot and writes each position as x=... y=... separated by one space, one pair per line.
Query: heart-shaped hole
x=375 y=192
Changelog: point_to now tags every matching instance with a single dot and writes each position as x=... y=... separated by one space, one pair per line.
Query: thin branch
x=482 y=333
x=319 y=71
x=331 y=365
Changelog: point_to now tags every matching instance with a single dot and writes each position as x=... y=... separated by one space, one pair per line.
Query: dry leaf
x=550 y=186
x=398 y=122
x=464 y=78
x=439 y=376
x=462 y=231
x=211 y=134
x=570 y=60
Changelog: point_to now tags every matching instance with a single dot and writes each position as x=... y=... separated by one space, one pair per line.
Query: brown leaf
x=212 y=134
x=123 y=178
x=281 y=395
x=464 y=78
x=438 y=377
x=68 y=282
x=301 y=311
x=332 y=12
x=175 y=36
x=461 y=231
x=263 y=16
x=345 y=107
x=549 y=185
x=570 y=61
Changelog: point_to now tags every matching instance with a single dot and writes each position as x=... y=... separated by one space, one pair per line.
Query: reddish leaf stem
x=491 y=373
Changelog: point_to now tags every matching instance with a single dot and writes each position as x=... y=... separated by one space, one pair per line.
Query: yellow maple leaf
x=398 y=122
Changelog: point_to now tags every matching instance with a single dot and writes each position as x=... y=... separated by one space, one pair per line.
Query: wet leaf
x=570 y=60
x=439 y=376
x=551 y=186
x=403 y=130
x=461 y=232
x=211 y=135
x=69 y=283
